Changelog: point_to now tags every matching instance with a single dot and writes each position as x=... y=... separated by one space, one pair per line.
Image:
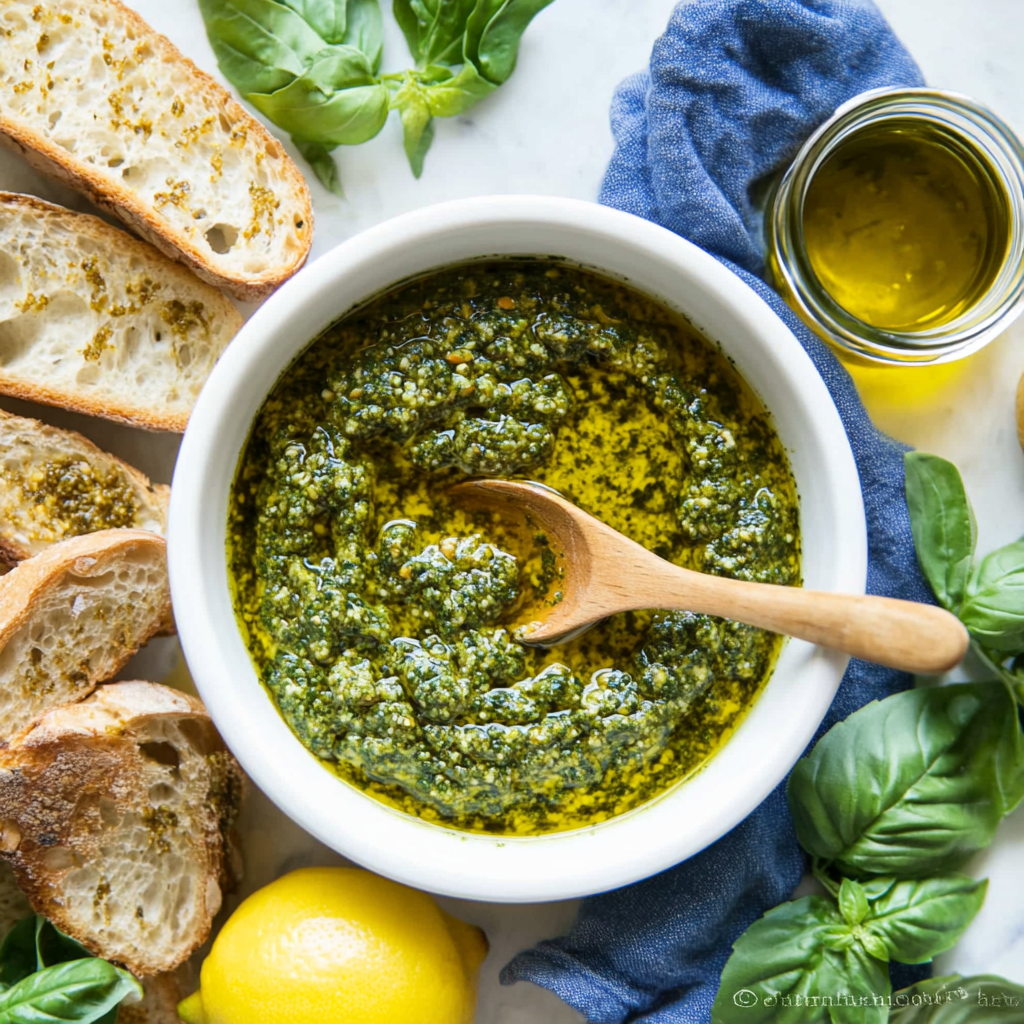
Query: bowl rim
x=427 y=855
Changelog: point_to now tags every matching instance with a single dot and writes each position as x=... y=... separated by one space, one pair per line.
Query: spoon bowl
x=604 y=572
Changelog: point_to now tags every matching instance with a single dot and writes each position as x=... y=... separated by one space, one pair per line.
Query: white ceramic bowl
x=686 y=818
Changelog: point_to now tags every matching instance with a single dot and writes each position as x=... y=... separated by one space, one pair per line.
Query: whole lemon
x=339 y=946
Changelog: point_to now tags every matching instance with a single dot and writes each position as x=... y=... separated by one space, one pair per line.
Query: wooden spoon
x=606 y=573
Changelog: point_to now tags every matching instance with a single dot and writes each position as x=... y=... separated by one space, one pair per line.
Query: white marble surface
x=546 y=131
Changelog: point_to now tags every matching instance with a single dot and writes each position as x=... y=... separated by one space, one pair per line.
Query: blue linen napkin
x=734 y=88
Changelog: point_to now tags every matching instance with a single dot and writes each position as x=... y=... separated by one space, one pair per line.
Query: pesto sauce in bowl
x=379 y=614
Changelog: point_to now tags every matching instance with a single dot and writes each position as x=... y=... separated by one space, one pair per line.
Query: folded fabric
x=734 y=88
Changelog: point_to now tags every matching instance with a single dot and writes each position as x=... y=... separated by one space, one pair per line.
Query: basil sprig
x=46 y=976
x=479 y=37
x=815 y=946
x=312 y=66
x=888 y=803
x=987 y=595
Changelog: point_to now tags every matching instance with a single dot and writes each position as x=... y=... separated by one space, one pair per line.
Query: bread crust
x=155 y=496
x=67 y=781
x=20 y=588
x=125 y=246
x=68 y=623
x=126 y=204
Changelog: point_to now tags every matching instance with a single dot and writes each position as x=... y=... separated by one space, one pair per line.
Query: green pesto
x=379 y=614
x=72 y=497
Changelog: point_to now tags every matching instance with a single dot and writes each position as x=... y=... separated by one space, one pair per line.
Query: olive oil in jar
x=897 y=232
x=904 y=226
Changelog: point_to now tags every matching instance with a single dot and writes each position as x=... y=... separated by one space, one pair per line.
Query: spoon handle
x=904 y=635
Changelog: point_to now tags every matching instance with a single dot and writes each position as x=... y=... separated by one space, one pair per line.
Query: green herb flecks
x=379 y=613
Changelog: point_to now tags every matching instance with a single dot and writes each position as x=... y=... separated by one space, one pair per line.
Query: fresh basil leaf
x=1009 y=668
x=457 y=94
x=441 y=38
x=982 y=999
x=994 y=610
x=782 y=972
x=80 y=990
x=31 y=945
x=913 y=784
x=918 y=920
x=320 y=160
x=874 y=888
x=943 y=524
x=874 y=946
x=19 y=953
x=335 y=102
x=853 y=902
x=54 y=947
x=417 y=123
x=483 y=14
x=365 y=30
x=327 y=18
x=498 y=47
x=260 y=45
x=409 y=23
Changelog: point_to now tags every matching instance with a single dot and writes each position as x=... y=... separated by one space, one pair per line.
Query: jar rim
x=979 y=130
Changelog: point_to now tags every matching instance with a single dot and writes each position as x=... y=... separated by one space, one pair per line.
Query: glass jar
x=991 y=156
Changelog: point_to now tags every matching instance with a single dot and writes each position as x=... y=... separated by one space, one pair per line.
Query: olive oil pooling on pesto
x=379 y=614
x=904 y=226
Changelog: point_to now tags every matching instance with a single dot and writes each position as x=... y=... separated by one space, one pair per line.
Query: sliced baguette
x=160 y=993
x=55 y=484
x=72 y=616
x=116 y=816
x=94 y=320
x=92 y=95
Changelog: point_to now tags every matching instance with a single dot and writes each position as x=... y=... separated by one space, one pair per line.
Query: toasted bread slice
x=160 y=993
x=92 y=95
x=55 y=484
x=71 y=617
x=116 y=815
x=94 y=320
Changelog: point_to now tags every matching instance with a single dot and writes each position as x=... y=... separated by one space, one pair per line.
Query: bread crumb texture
x=55 y=484
x=116 y=816
x=72 y=616
x=92 y=80
x=94 y=320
